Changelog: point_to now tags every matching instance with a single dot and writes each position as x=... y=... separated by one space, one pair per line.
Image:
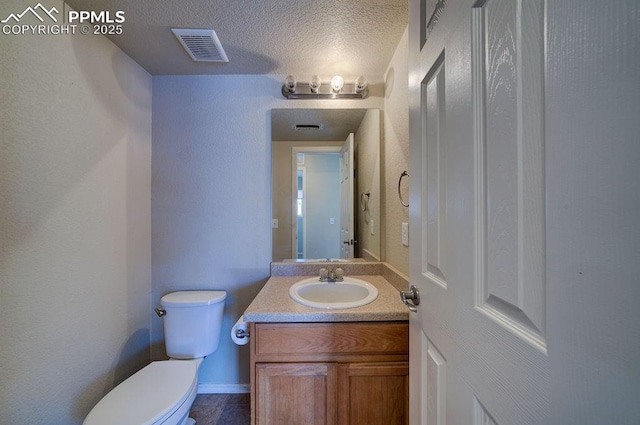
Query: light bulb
x=337 y=83
x=361 y=84
x=314 y=84
x=290 y=84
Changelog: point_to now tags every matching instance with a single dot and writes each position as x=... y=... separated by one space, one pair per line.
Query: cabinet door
x=295 y=394
x=373 y=394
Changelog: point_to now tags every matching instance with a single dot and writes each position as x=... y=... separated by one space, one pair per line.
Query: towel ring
x=364 y=201
x=404 y=173
x=364 y=205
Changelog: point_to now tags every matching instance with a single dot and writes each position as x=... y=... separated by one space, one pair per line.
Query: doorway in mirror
x=327 y=129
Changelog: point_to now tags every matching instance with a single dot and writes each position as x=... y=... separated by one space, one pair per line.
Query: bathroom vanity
x=328 y=366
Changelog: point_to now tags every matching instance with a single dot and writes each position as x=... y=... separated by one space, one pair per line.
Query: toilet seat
x=150 y=396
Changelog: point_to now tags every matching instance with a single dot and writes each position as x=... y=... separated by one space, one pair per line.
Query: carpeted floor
x=221 y=409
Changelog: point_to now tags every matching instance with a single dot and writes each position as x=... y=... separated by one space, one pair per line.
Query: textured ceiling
x=299 y=37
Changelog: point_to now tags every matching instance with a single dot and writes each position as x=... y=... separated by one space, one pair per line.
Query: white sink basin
x=346 y=294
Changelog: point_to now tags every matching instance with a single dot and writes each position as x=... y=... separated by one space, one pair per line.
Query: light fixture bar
x=325 y=91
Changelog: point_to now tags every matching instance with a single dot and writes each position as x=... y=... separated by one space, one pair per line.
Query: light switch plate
x=405 y=234
x=274 y=223
x=371 y=227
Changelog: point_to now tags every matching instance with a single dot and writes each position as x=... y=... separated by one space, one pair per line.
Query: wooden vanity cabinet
x=347 y=373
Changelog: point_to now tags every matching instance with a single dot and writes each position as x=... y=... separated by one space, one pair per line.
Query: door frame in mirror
x=295 y=150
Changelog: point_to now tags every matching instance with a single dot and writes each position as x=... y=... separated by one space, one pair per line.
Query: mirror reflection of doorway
x=317 y=209
x=335 y=125
x=302 y=207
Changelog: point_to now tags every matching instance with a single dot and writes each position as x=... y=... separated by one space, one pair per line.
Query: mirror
x=308 y=214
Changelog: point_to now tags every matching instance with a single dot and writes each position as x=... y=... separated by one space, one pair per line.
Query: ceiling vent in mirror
x=202 y=45
x=307 y=127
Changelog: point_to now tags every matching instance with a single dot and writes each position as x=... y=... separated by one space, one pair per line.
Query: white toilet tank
x=192 y=322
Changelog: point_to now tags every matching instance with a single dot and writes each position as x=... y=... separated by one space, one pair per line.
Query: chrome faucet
x=336 y=275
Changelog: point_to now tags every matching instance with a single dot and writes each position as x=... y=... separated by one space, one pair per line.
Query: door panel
x=296 y=393
x=435 y=384
x=479 y=264
x=373 y=393
x=524 y=199
x=434 y=193
x=507 y=72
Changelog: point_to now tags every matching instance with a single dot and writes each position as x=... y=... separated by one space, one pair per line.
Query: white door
x=525 y=212
x=346 y=199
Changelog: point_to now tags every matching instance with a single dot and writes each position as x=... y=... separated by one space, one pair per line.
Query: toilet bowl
x=162 y=392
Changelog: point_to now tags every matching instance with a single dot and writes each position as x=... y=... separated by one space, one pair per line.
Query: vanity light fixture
x=337 y=88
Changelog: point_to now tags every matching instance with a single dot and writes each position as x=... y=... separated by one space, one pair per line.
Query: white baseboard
x=224 y=388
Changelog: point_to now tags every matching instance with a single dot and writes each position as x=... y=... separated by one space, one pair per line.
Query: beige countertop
x=273 y=304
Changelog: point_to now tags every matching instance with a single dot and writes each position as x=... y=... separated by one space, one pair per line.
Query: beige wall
x=396 y=157
x=281 y=208
x=75 y=272
x=368 y=146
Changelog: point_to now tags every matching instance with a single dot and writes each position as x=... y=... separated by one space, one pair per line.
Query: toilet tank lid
x=192 y=298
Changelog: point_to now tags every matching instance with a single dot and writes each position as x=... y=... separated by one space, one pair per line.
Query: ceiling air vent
x=201 y=44
x=307 y=127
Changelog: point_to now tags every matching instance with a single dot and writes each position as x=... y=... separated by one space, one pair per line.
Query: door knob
x=411 y=298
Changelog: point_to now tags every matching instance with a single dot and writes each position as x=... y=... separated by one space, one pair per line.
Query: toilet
x=163 y=391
